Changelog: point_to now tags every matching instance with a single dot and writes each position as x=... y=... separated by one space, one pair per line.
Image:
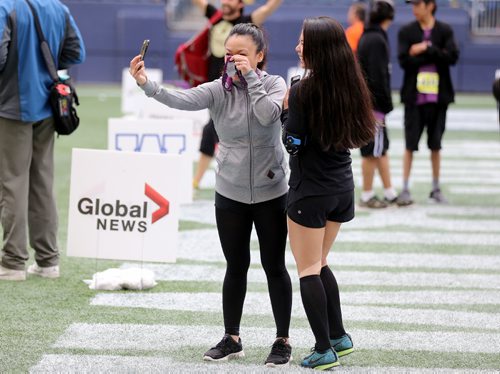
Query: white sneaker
x=12 y=275
x=48 y=272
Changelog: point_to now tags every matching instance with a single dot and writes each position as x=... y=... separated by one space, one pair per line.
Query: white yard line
x=259 y=304
x=209 y=250
x=65 y=363
x=211 y=273
x=165 y=337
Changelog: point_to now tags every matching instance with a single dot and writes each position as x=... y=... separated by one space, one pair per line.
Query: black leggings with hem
x=234 y=224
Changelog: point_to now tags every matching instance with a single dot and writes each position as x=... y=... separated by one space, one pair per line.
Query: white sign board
x=123 y=206
x=133 y=98
x=164 y=136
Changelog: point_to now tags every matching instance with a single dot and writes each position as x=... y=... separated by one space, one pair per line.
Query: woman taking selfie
x=327 y=113
x=245 y=105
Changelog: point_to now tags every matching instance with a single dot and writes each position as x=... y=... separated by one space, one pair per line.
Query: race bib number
x=218 y=35
x=428 y=82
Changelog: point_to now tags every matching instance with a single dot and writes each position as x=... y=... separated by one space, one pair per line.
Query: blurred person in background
x=232 y=14
x=426 y=50
x=356 y=19
x=28 y=207
x=374 y=57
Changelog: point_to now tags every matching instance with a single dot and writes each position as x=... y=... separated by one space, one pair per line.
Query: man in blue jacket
x=426 y=50
x=27 y=132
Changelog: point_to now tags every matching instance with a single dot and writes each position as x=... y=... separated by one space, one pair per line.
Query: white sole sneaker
x=48 y=272
x=12 y=275
x=230 y=356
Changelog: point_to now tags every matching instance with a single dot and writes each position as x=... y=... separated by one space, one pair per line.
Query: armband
x=293 y=142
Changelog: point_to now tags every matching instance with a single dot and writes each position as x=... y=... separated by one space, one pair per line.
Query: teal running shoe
x=343 y=345
x=321 y=361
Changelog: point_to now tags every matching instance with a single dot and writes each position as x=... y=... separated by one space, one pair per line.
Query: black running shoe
x=226 y=349
x=281 y=354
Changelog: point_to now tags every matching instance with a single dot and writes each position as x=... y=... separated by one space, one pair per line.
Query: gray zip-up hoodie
x=251 y=165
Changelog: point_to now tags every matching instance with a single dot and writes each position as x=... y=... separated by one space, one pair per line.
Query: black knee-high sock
x=314 y=300
x=333 y=303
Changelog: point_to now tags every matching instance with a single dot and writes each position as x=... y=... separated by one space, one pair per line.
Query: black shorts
x=209 y=139
x=432 y=116
x=314 y=211
x=379 y=146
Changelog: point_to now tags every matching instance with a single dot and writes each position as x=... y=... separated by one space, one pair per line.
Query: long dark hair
x=334 y=93
x=257 y=35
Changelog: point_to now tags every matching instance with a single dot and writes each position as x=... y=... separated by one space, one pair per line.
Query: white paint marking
x=161 y=337
x=65 y=363
x=259 y=304
x=210 y=273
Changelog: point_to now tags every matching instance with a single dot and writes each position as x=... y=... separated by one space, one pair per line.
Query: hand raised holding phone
x=137 y=68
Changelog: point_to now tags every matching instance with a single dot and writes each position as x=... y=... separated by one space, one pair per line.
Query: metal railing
x=485 y=17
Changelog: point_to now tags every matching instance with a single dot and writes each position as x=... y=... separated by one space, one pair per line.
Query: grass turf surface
x=36 y=312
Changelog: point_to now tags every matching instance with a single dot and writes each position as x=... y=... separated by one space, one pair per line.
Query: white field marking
x=456 y=119
x=448 y=165
x=483 y=190
x=162 y=337
x=204 y=245
x=210 y=273
x=203 y=211
x=465 y=150
x=396 y=237
x=140 y=364
x=257 y=303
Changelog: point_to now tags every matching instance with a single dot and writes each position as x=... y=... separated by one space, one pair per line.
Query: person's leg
x=42 y=213
x=330 y=283
x=15 y=160
x=209 y=139
x=306 y=244
x=435 y=131
x=271 y=226
x=413 y=126
x=234 y=224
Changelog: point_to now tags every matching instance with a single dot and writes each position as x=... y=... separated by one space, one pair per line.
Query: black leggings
x=234 y=223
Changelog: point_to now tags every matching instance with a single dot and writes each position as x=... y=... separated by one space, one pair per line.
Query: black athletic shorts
x=379 y=146
x=209 y=139
x=417 y=117
x=314 y=211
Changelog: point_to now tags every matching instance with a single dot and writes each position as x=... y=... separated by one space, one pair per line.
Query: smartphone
x=144 y=48
x=294 y=80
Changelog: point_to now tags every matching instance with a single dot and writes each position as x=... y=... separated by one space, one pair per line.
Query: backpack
x=191 y=57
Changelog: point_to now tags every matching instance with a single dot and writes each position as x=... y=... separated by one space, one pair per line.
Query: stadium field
x=420 y=286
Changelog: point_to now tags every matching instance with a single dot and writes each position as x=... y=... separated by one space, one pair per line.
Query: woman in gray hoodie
x=250 y=189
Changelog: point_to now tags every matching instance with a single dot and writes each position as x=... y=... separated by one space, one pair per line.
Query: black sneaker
x=226 y=349
x=281 y=354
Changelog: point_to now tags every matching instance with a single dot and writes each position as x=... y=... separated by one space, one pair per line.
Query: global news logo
x=118 y=216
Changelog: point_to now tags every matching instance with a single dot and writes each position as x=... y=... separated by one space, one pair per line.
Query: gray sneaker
x=373 y=203
x=404 y=198
x=437 y=197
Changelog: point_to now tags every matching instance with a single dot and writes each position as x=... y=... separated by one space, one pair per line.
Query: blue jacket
x=24 y=79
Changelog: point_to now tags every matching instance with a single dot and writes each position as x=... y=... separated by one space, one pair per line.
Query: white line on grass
x=210 y=273
x=482 y=190
x=167 y=337
x=65 y=363
x=259 y=304
x=204 y=245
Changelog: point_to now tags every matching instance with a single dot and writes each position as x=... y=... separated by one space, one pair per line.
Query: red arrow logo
x=158 y=199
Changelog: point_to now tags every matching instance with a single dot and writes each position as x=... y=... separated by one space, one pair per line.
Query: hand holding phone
x=144 y=48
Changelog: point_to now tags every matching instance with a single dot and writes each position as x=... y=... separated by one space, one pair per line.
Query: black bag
x=62 y=96
x=62 y=99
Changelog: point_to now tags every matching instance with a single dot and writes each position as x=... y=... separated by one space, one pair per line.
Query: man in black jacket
x=426 y=49
x=373 y=56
